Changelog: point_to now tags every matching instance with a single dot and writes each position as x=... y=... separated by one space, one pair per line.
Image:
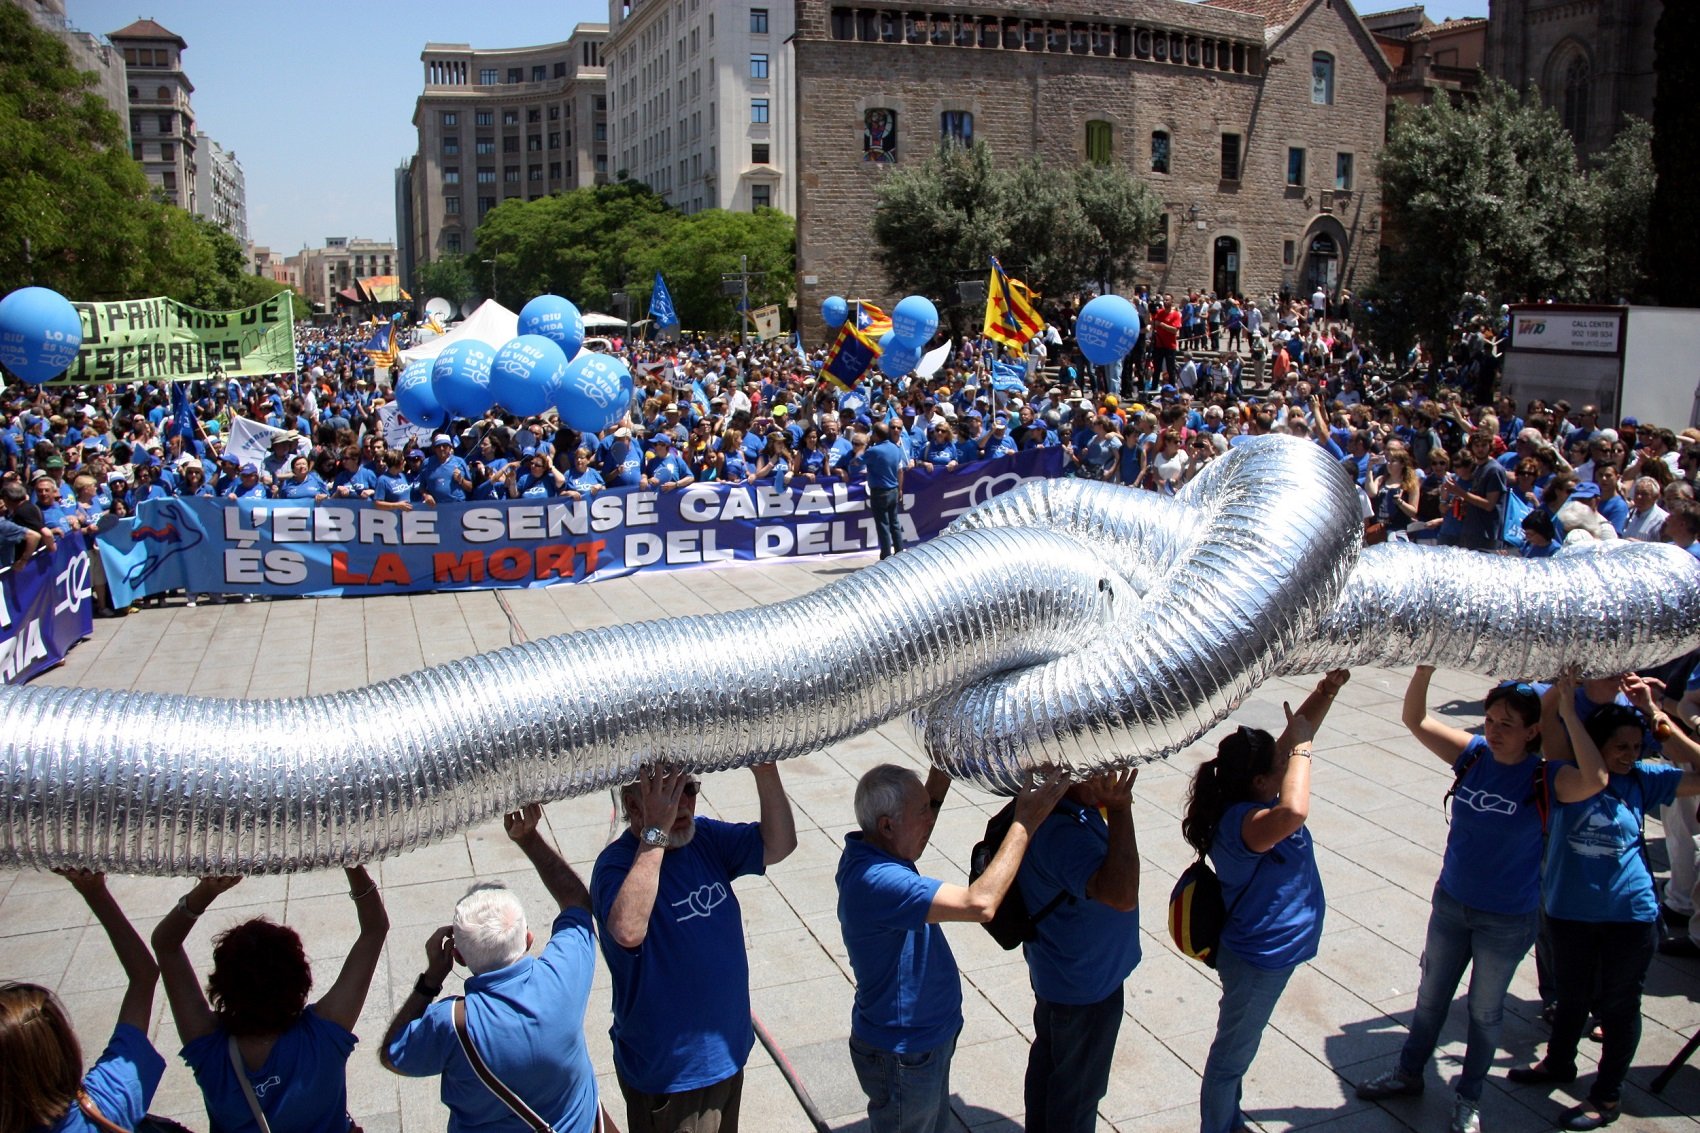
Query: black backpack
x=1012 y=925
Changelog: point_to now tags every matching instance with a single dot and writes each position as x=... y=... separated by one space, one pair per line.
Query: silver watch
x=654 y=836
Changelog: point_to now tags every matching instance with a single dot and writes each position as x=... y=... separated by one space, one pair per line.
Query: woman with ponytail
x=1246 y=811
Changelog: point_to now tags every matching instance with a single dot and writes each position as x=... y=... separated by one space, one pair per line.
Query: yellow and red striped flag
x=1011 y=317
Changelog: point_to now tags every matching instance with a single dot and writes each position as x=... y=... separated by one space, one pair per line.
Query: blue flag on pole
x=661 y=307
x=1007 y=378
x=182 y=414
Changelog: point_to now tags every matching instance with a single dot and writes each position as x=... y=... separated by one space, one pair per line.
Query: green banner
x=153 y=340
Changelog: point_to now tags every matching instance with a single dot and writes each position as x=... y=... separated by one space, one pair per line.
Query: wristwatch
x=654 y=836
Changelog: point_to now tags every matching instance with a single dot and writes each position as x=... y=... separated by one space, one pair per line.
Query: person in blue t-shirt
x=534 y=478
x=396 y=490
x=293 y=1053
x=622 y=460
x=524 y=1016
x=1247 y=810
x=1602 y=908
x=672 y=935
x=908 y=1006
x=302 y=483
x=1486 y=906
x=1083 y=865
x=885 y=463
x=445 y=476
x=666 y=470
x=352 y=480
x=41 y=1060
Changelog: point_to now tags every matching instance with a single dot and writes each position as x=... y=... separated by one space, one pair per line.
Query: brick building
x=1429 y=59
x=1258 y=122
x=1591 y=59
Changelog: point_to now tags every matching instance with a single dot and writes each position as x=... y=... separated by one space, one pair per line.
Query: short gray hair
x=882 y=793
x=489 y=927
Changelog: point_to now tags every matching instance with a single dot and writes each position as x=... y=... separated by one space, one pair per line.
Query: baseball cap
x=623 y=432
x=975 y=413
x=250 y=469
x=1000 y=422
x=908 y=411
x=1112 y=400
x=779 y=411
x=115 y=477
x=442 y=439
x=1631 y=423
x=413 y=452
x=1587 y=490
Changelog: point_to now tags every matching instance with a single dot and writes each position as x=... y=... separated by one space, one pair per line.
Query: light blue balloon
x=556 y=319
x=888 y=340
x=835 y=310
x=596 y=393
x=40 y=333
x=460 y=378
x=526 y=374
x=915 y=320
x=413 y=394
x=899 y=359
x=1106 y=330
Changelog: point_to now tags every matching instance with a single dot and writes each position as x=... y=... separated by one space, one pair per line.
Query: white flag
x=251 y=441
x=933 y=359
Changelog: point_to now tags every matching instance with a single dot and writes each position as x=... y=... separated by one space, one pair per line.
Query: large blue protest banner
x=352 y=548
x=48 y=607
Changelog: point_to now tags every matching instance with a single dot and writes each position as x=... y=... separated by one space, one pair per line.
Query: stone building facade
x=221 y=189
x=162 y=122
x=88 y=53
x=319 y=273
x=1591 y=59
x=1258 y=123
x=494 y=125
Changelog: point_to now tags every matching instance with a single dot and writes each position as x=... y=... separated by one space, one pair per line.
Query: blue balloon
x=1106 y=330
x=898 y=359
x=915 y=320
x=413 y=394
x=40 y=333
x=556 y=319
x=460 y=378
x=596 y=393
x=526 y=374
x=835 y=310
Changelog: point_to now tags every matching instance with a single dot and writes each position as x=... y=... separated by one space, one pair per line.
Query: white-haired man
x=673 y=936
x=524 y=1016
x=908 y=1007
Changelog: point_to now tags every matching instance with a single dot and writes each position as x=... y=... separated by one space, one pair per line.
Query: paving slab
x=1376 y=818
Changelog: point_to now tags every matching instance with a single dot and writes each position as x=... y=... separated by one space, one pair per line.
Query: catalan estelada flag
x=850 y=355
x=1011 y=317
x=870 y=320
x=381 y=347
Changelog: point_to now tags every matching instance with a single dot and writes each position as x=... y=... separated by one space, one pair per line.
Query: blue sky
x=316 y=97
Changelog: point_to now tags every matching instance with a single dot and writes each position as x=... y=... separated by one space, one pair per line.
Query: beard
x=681 y=838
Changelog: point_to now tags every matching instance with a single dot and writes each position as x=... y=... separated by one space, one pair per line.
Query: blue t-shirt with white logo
x=1596 y=868
x=1084 y=949
x=121 y=1083
x=302 y=1084
x=1493 y=849
x=908 y=991
x=1274 y=898
x=682 y=997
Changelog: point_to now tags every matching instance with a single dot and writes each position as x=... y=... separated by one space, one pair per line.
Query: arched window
x=164 y=94
x=1573 y=99
x=879 y=135
x=1100 y=142
x=1322 y=79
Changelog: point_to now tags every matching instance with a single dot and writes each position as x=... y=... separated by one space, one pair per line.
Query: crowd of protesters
x=1544 y=850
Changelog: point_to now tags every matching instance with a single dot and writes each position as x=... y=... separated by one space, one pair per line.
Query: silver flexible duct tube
x=1064 y=622
x=160 y=784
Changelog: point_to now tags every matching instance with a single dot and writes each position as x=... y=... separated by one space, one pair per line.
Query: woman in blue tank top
x=1486 y=905
x=1247 y=810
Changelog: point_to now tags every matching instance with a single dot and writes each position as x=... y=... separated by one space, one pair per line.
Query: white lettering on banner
x=816 y=538
x=329 y=524
x=955 y=503
x=675 y=549
x=276 y=567
x=73 y=584
x=22 y=651
x=5 y=605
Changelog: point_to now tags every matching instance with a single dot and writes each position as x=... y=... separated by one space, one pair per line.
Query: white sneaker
x=1466 y=1116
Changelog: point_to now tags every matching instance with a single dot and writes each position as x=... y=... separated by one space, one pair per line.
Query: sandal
x=1589 y=1115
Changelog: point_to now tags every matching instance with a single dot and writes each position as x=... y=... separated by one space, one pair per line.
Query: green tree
x=940 y=220
x=578 y=244
x=1620 y=195
x=1121 y=217
x=449 y=276
x=1045 y=228
x=704 y=245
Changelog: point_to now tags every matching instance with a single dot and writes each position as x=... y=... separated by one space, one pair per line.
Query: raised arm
x=1588 y=777
x=1442 y=739
x=342 y=1003
x=979 y=900
x=658 y=805
x=136 y=1008
x=1266 y=827
x=563 y=883
x=778 y=825
x=1116 y=883
x=189 y=1008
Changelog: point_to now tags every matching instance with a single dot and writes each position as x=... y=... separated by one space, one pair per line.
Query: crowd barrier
x=352 y=548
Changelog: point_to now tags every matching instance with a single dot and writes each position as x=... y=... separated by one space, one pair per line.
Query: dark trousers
x=1068 y=1068
x=711 y=1109
x=1602 y=965
x=884 y=502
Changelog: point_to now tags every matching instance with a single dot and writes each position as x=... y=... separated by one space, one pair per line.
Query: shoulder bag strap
x=494 y=1084
x=247 y=1086
x=92 y=1112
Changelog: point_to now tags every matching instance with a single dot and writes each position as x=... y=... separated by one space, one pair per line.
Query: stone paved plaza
x=1376 y=817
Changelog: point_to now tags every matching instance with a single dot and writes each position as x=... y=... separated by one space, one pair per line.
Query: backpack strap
x=1466 y=760
x=494 y=1084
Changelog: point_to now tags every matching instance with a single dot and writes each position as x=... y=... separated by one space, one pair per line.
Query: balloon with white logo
x=834 y=311
x=556 y=319
x=898 y=359
x=596 y=393
x=527 y=374
x=460 y=378
x=1106 y=330
x=40 y=333
x=414 y=395
x=914 y=321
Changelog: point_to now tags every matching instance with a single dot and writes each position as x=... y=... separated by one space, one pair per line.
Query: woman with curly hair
x=253 y=1041
x=42 y=1083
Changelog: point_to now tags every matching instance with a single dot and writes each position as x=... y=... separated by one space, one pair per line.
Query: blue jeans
x=1068 y=1069
x=1248 y=1000
x=885 y=503
x=907 y=1093
x=1491 y=945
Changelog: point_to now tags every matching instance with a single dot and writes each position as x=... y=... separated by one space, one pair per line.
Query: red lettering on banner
x=590 y=551
x=556 y=559
x=510 y=564
x=340 y=574
x=390 y=568
x=447 y=566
